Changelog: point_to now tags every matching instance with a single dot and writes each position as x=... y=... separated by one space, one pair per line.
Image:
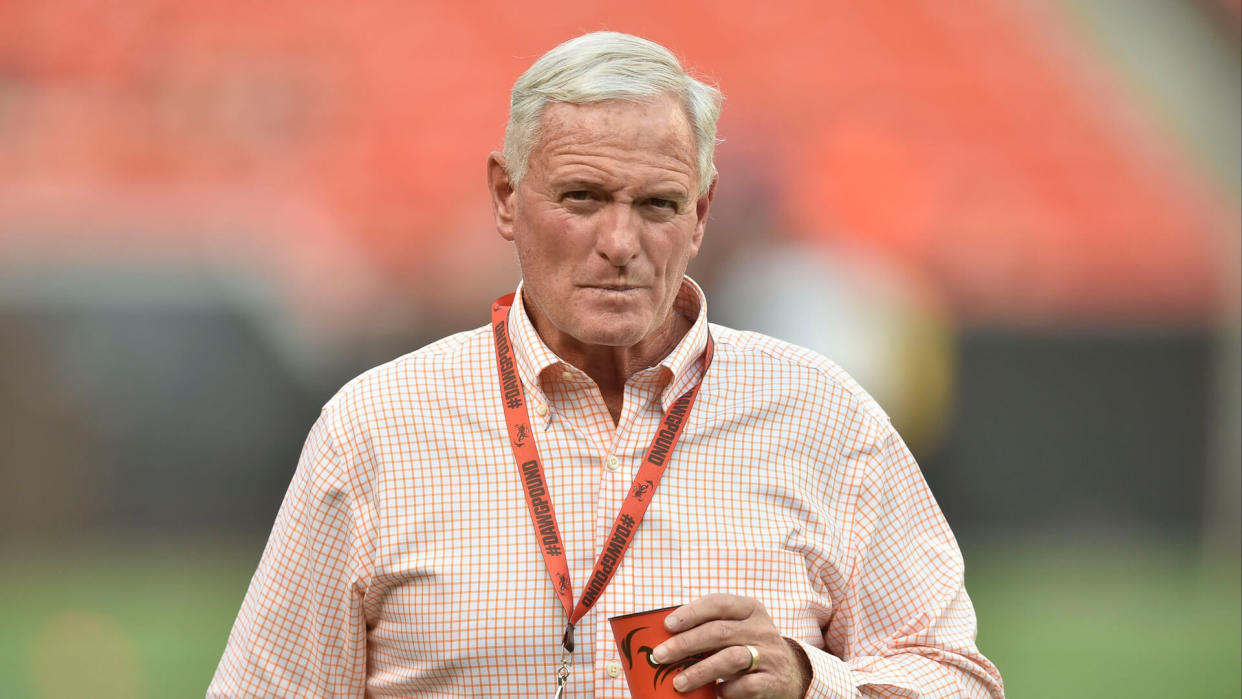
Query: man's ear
x=701 y=207
x=504 y=195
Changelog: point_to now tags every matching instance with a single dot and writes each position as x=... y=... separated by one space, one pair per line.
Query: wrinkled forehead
x=657 y=124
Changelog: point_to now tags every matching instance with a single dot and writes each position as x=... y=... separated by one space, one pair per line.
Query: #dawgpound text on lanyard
x=539 y=501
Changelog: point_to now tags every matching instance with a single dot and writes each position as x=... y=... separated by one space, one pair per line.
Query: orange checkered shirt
x=403 y=561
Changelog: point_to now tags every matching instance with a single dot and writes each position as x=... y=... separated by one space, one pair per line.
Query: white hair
x=606 y=66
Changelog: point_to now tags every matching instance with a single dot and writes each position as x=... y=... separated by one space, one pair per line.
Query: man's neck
x=610 y=367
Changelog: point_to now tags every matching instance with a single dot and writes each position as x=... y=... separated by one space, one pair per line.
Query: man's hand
x=721 y=627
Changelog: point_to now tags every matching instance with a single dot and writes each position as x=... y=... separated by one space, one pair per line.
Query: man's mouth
x=618 y=288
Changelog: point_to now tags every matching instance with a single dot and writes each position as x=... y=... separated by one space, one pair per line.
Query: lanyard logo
x=640 y=489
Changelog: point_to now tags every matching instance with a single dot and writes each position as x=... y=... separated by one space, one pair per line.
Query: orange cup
x=637 y=635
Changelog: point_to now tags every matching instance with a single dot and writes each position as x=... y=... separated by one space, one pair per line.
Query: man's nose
x=617 y=240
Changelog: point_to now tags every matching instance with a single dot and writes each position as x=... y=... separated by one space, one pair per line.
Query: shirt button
x=568 y=376
x=613 y=463
x=542 y=410
x=613 y=668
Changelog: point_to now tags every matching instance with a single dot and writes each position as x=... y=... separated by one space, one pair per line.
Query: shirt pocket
x=775 y=577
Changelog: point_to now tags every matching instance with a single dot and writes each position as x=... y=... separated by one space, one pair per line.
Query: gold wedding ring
x=754 y=658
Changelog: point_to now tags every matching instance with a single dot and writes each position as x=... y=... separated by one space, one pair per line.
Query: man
x=465 y=519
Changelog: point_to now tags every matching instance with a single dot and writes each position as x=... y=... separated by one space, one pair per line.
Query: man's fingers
x=703 y=639
x=707 y=608
x=728 y=662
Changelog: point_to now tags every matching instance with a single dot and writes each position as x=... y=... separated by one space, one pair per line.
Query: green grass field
x=1101 y=622
x=1098 y=622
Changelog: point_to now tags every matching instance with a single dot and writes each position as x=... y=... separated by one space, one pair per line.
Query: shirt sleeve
x=904 y=625
x=301 y=631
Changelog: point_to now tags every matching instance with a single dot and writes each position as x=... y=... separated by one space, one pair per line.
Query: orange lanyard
x=535 y=485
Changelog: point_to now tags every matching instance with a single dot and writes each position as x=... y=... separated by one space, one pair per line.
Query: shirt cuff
x=830 y=676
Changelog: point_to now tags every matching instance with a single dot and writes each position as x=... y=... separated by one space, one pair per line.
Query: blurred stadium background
x=1015 y=221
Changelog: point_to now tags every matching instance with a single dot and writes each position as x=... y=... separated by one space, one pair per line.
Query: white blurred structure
x=881 y=326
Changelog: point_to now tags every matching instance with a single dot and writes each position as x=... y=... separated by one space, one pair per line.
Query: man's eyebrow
x=659 y=190
x=666 y=192
x=576 y=181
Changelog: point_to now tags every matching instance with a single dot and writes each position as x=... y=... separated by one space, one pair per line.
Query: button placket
x=617 y=598
x=620 y=597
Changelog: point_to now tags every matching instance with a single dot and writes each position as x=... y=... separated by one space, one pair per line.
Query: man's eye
x=578 y=195
x=658 y=203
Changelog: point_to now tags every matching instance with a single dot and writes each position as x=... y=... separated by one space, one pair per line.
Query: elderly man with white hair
x=464 y=520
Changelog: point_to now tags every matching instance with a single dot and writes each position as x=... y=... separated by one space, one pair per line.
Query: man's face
x=605 y=220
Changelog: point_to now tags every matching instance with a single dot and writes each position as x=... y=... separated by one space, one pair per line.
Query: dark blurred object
x=1094 y=432
x=171 y=414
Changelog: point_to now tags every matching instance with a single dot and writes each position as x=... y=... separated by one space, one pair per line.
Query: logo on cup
x=662 y=672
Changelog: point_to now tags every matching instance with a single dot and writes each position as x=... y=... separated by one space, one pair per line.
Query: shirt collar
x=533 y=356
x=680 y=367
